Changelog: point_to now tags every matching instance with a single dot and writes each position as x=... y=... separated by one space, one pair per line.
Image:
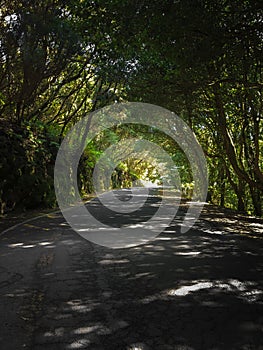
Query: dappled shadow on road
x=231 y=221
x=111 y=223
x=199 y=290
x=117 y=219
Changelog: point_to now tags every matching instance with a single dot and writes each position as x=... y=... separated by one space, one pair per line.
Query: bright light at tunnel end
x=65 y=176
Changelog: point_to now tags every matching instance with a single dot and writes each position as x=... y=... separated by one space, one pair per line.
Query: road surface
x=198 y=290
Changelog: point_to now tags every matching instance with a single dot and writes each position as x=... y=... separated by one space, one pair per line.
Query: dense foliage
x=28 y=157
x=60 y=60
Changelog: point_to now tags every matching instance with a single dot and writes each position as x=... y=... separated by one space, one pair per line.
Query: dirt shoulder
x=18 y=216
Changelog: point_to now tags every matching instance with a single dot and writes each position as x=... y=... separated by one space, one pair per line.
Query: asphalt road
x=198 y=290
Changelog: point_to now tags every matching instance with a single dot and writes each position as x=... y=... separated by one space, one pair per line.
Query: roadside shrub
x=28 y=154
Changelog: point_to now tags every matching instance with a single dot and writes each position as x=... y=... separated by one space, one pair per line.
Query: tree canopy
x=60 y=60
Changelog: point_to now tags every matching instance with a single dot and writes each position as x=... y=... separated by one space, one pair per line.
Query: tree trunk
x=222 y=188
x=240 y=195
x=228 y=143
x=256 y=200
